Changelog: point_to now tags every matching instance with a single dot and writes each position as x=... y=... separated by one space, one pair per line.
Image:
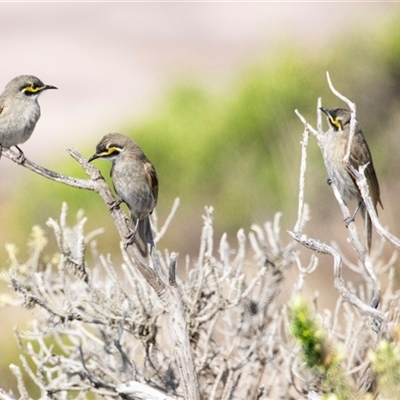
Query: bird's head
x=111 y=146
x=27 y=85
x=338 y=118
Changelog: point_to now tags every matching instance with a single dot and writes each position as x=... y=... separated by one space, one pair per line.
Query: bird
x=334 y=147
x=135 y=181
x=20 y=110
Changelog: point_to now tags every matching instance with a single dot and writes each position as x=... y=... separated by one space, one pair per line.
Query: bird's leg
x=114 y=204
x=131 y=237
x=21 y=156
x=353 y=217
x=329 y=181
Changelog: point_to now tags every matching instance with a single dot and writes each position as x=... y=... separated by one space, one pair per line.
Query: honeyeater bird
x=20 y=110
x=135 y=181
x=334 y=149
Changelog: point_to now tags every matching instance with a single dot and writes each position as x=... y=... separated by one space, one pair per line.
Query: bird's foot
x=349 y=220
x=329 y=181
x=21 y=156
x=114 y=204
x=352 y=217
x=131 y=237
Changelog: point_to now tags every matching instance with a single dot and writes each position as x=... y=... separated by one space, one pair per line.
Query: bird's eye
x=30 y=89
x=112 y=150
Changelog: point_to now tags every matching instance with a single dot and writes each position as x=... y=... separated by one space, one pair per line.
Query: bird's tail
x=367 y=227
x=368 y=232
x=143 y=236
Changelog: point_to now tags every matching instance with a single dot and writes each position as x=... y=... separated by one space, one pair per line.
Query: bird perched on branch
x=20 y=110
x=135 y=181
x=334 y=149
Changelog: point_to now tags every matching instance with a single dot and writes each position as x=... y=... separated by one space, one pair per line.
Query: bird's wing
x=360 y=155
x=151 y=176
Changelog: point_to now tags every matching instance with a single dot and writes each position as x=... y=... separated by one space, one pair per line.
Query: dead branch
x=170 y=295
x=315 y=245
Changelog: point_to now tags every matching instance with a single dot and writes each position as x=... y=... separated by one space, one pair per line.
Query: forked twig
x=170 y=296
x=315 y=245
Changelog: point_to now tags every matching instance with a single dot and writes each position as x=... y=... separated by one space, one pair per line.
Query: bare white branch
x=353 y=121
x=363 y=186
x=217 y=328
x=143 y=392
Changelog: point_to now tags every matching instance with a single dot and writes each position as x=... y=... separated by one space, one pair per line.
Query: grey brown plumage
x=334 y=150
x=135 y=181
x=20 y=110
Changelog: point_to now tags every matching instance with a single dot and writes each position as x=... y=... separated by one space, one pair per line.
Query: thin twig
x=364 y=189
x=353 y=121
x=315 y=245
x=54 y=176
x=170 y=295
x=303 y=165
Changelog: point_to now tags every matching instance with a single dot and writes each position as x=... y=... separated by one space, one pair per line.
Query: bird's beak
x=94 y=156
x=45 y=87
x=324 y=110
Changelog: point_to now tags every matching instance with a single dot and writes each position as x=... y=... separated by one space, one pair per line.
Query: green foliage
x=386 y=362
x=229 y=149
x=307 y=330
x=319 y=353
x=237 y=148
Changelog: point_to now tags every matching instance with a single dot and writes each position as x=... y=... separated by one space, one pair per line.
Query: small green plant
x=319 y=353
x=386 y=362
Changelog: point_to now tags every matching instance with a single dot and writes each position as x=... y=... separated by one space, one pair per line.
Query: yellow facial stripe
x=335 y=122
x=110 y=151
x=32 y=89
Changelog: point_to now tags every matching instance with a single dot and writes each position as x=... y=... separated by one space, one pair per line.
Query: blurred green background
x=236 y=147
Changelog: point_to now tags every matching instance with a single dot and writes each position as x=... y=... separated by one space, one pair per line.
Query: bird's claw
x=21 y=156
x=114 y=204
x=130 y=238
x=352 y=217
x=349 y=220
x=329 y=181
